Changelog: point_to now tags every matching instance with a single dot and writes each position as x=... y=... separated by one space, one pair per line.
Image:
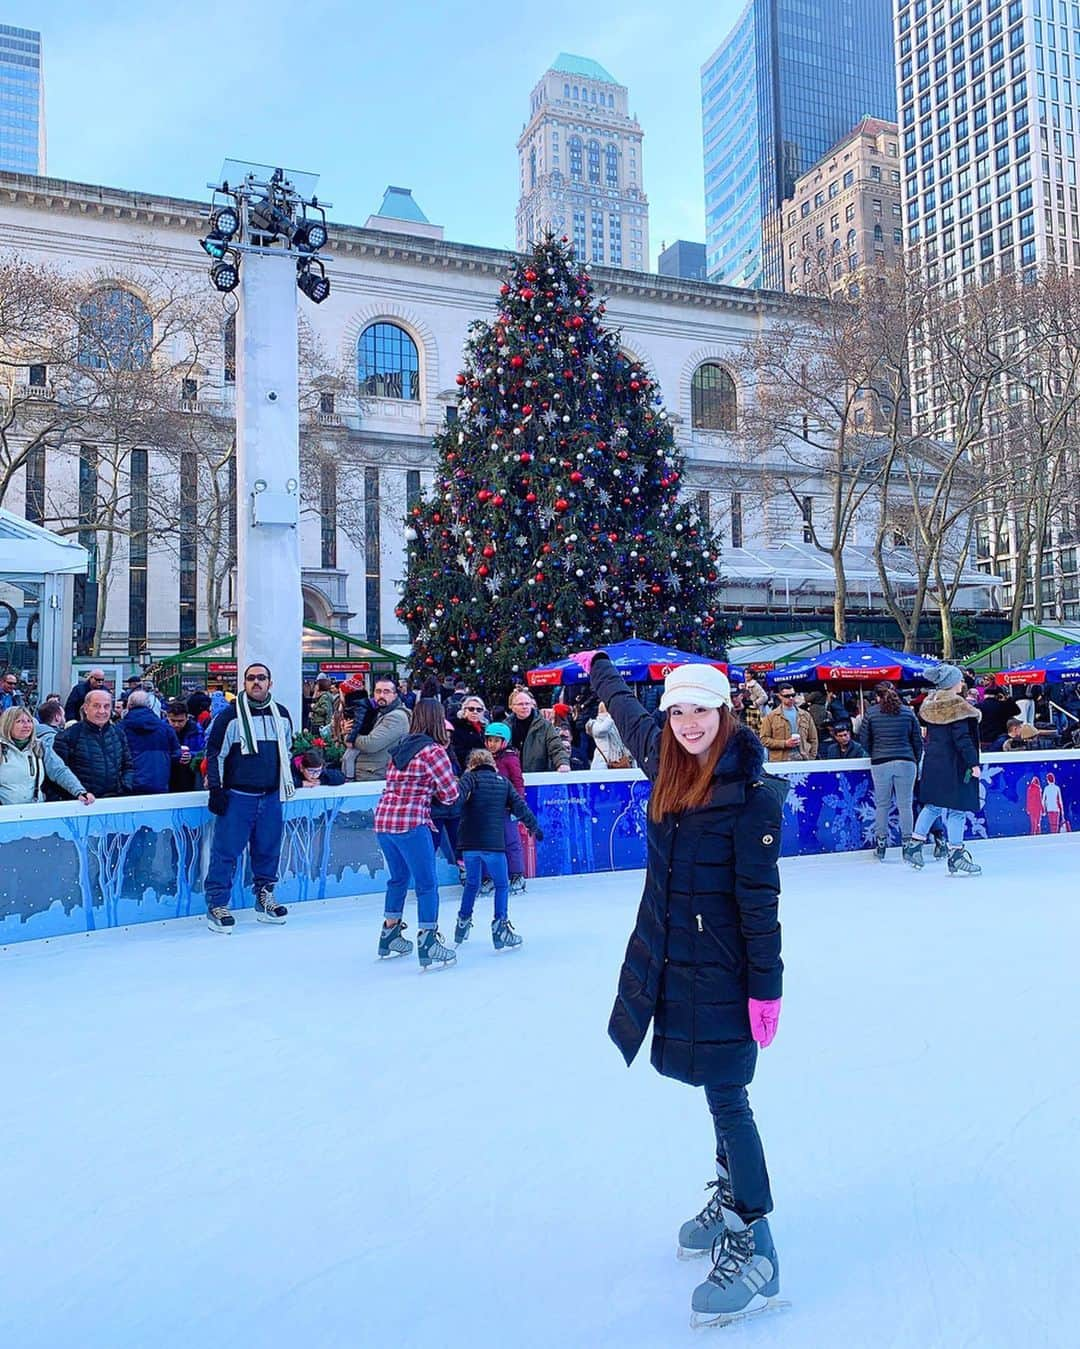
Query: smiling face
x=97 y=709
x=522 y=704
x=22 y=728
x=693 y=726
x=10 y=683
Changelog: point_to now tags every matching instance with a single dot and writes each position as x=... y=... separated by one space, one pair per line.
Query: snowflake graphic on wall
x=848 y=805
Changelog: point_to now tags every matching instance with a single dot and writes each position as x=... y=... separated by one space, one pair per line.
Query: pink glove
x=764 y=1018
x=584 y=659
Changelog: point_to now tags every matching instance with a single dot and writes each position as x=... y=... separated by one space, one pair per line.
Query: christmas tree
x=553 y=523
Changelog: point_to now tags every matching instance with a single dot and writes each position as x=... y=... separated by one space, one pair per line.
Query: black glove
x=538 y=834
x=219 y=801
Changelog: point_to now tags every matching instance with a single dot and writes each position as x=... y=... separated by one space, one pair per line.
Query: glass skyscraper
x=790 y=80
x=22 y=101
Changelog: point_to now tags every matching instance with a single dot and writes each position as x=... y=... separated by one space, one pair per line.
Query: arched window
x=835 y=247
x=850 y=240
x=611 y=162
x=566 y=91
x=594 y=161
x=575 y=91
x=115 y=331
x=713 y=404
x=387 y=364
x=229 y=340
x=575 y=156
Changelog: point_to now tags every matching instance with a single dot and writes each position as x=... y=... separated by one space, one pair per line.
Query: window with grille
x=713 y=402
x=388 y=365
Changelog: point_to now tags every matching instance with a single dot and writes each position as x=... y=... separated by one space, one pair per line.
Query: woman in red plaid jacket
x=419 y=769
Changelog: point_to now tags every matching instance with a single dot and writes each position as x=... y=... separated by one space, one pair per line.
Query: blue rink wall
x=66 y=869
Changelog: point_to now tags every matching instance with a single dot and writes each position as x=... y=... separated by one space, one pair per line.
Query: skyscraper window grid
x=22 y=107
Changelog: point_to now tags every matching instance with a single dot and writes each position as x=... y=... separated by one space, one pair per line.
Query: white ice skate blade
x=213 y=927
x=394 y=955
x=689 y=1252
x=438 y=965
x=719 y=1321
x=269 y=918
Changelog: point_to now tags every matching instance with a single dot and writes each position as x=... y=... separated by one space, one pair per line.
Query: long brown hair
x=685 y=780
x=428 y=718
x=888 y=698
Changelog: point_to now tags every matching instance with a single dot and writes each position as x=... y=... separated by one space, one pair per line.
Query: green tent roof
x=567 y=64
x=398 y=204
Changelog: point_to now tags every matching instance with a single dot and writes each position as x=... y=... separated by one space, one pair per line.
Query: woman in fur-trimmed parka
x=949 y=781
x=703 y=962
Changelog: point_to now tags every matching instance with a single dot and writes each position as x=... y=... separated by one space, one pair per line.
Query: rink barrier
x=66 y=868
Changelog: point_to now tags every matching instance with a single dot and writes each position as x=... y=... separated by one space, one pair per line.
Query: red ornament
x=577 y=321
x=577 y=477
x=488 y=550
x=562 y=504
x=461 y=379
x=590 y=604
x=482 y=569
x=539 y=577
x=524 y=457
x=527 y=293
x=546 y=548
x=517 y=362
x=635 y=385
x=530 y=497
x=526 y=411
x=530 y=275
x=655 y=589
x=497 y=500
x=483 y=495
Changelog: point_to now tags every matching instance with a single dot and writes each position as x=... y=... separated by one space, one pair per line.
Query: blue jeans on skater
x=410 y=857
x=250 y=820
x=954 y=824
x=739 y=1145
x=494 y=863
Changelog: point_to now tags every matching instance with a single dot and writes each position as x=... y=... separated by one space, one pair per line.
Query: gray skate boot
x=961 y=863
x=696 y=1236
x=913 y=854
x=503 y=935
x=745 y=1278
x=432 y=953
x=881 y=847
x=462 y=928
x=392 y=943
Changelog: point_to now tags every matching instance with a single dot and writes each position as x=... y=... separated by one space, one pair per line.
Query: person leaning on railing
x=26 y=763
x=95 y=749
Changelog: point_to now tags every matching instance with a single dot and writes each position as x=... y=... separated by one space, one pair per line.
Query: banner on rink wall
x=67 y=869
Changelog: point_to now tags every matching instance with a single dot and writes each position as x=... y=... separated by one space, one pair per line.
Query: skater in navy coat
x=703 y=963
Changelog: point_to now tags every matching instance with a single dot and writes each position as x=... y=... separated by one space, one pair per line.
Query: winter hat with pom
x=704 y=685
x=943 y=676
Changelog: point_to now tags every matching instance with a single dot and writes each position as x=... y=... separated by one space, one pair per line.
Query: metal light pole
x=265 y=241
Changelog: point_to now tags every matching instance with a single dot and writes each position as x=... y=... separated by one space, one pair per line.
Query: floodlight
x=226 y=222
x=314 y=285
x=310 y=236
x=225 y=275
x=265 y=216
x=216 y=244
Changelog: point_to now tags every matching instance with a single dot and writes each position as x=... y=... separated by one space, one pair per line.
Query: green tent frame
x=192 y=666
x=990 y=660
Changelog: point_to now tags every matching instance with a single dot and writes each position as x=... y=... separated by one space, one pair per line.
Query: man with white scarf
x=249 y=776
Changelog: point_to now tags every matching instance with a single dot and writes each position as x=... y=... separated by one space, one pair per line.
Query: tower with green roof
x=580 y=164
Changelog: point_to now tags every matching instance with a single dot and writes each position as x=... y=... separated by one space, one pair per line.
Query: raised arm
x=640 y=733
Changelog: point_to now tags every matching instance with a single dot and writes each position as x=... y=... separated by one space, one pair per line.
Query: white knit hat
x=704 y=685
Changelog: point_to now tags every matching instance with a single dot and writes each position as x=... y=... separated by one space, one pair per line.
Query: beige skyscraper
x=579 y=157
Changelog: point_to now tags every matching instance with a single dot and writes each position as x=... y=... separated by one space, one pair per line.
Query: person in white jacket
x=1053 y=803
x=610 y=750
x=25 y=763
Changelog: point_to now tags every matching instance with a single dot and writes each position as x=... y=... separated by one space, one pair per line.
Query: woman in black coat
x=949 y=782
x=703 y=963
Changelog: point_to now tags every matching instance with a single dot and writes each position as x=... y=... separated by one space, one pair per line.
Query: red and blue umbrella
x=854 y=663
x=638 y=662
x=1062 y=667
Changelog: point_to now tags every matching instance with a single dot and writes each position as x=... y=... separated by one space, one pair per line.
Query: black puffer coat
x=486 y=796
x=98 y=756
x=707 y=935
x=952 y=751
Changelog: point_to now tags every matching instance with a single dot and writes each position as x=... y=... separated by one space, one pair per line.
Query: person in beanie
x=497 y=735
x=949 y=784
x=249 y=777
x=703 y=963
x=486 y=797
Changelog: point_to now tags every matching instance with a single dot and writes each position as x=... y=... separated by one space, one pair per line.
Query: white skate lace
x=731 y=1252
x=218 y=912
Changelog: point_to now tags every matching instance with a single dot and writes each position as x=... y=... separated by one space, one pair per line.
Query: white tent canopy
x=29 y=551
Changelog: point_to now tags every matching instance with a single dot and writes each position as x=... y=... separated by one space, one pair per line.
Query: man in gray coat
x=371 y=752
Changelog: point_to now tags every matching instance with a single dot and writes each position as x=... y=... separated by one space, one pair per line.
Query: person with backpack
x=487 y=800
x=703 y=963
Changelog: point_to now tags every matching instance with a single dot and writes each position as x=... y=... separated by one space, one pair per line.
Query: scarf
x=248 y=744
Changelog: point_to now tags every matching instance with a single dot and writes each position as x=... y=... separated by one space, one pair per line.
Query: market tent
x=854 y=663
x=1061 y=667
x=638 y=661
x=1029 y=644
x=758 y=654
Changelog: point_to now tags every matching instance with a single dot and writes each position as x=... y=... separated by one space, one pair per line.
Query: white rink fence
x=66 y=868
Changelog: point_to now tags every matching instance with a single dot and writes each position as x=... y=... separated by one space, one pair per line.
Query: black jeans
x=739 y=1145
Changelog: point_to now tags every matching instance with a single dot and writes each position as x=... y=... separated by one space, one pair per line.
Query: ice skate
x=961 y=863
x=517 y=884
x=462 y=928
x=696 y=1236
x=745 y=1277
x=267 y=909
x=881 y=846
x=913 y=854
x=432 y=953
x=487 y=886
x=503 y=935
x=392 y=943
x=941 y=848
x=219 y=919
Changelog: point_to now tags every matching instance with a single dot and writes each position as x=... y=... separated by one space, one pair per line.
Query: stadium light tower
x=266 y=229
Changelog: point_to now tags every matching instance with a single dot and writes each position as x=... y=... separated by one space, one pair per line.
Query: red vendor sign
x=859 y=672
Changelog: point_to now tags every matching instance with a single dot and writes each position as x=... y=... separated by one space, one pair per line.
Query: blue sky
x=429 y=95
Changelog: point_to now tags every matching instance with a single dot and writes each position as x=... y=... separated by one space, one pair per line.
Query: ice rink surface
x=270 y=1139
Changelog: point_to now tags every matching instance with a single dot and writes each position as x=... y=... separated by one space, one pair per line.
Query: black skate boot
x=941 y=848
x=219 y=919
x=961 y=863
x=913 y=853
x=881 y=846
x=392 y=943
x=503 y=936
x=267 y=909
x=462 y=928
